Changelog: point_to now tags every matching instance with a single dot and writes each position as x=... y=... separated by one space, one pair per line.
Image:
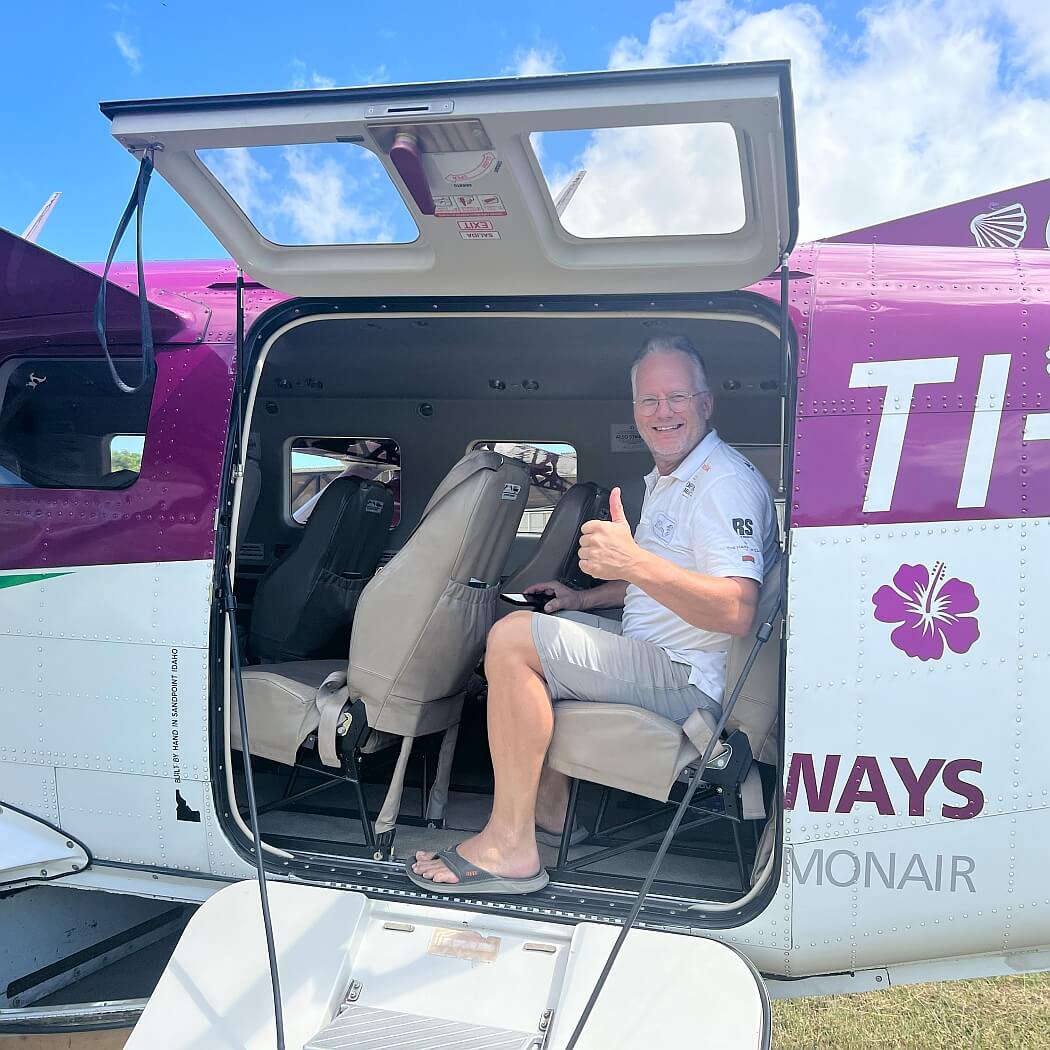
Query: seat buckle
x=351 y=726
x=730 y=768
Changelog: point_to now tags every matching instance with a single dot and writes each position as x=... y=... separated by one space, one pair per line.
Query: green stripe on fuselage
x=27 y=577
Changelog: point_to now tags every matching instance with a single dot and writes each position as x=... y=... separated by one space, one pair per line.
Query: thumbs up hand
x=607 y=548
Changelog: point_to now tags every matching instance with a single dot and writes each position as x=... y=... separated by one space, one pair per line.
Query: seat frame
x=718 y=798
x=379 y=845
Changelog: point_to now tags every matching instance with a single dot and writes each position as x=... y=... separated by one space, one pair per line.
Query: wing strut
x=249 y=790
x=230 y=602
x=762 y=636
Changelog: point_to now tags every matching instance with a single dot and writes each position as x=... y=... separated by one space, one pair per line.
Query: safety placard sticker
x=464 y=944
x=469 y=205
x=459 y=170
x=624 y=437
x=477 y=166
x=478 y=230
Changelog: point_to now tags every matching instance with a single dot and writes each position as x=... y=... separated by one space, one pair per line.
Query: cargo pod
x=473 y=267
x=440 y=189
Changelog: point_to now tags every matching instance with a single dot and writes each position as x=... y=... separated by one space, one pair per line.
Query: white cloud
x=534 y=62
x=307 y=194
x=132 y=55
x=303 y=78
x=242 y=175
x=379 y=75
x=1030 y=26
x=318 y=202
x=929 y=103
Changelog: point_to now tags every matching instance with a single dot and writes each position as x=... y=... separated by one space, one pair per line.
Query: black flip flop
x=474 y=880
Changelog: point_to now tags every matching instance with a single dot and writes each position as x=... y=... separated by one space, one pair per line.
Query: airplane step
x=380 y=974
x=366 y=1028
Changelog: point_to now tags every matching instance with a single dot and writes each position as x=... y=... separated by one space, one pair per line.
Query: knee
x=510 y=640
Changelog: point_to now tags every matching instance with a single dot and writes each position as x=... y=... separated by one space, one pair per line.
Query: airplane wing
x=1013 y=218
x=32 y=231
x=42 y=289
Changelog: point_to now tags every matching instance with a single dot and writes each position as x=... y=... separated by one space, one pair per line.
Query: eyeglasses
x=647 y=406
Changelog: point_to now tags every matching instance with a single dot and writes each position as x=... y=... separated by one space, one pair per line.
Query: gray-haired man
x=687 y=580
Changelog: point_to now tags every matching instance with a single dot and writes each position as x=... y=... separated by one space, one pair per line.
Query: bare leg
x=552 y=800
x=520 y=723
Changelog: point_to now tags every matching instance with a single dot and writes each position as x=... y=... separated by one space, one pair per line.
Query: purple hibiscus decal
x=930 y=611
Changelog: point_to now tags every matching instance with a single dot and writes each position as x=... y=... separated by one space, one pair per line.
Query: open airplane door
x=450 y=189
x=374 y=974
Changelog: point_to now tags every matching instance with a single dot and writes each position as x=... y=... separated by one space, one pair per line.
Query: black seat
x=557 y=554
x=304 y=605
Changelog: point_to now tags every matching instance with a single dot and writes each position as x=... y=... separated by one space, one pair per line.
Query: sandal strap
x=463 y=869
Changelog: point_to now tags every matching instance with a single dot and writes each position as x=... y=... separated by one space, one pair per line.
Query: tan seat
x=630 y=749
x=419 y=632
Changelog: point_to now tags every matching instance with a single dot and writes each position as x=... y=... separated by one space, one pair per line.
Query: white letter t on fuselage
x=900 y=378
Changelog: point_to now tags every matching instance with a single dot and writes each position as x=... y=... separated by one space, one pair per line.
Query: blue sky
x=899 y=106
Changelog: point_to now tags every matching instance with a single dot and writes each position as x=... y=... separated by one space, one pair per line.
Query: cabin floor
x=702 y=865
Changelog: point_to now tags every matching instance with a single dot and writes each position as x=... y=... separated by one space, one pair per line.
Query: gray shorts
x=585 y=657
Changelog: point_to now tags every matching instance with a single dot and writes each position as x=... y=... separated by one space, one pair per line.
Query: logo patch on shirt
x=743 y=526
x=664 y=527
x=690 y=488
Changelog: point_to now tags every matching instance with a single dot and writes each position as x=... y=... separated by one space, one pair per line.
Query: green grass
x=1004 y=1013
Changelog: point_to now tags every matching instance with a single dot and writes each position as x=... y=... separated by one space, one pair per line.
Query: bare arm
x=609 y=595
x=725 y=604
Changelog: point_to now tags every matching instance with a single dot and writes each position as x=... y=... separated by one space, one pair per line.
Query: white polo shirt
x=713 y=514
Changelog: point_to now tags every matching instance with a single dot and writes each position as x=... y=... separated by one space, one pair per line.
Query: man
x=688 y=581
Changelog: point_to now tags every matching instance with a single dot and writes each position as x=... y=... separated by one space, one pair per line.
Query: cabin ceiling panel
x=540 y=357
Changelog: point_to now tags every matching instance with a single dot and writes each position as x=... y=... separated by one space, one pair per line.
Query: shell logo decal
x=1002 y=228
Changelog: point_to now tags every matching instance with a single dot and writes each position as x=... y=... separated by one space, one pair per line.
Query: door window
x=315 y=193
x=668 y=180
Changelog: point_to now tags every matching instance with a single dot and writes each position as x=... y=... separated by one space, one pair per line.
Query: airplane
x=871 y=813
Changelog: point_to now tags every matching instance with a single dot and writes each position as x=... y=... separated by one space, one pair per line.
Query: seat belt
x=763 y=635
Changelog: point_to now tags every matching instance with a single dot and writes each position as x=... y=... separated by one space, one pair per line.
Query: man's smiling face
x=671 y=434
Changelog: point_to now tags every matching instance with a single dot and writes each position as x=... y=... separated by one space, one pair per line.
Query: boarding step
x=384 y=974
x=366 y=1028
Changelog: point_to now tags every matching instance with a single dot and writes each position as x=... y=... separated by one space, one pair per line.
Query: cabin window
x=660 y=181
x=64 y=424
x=313 y=193
x=552 y=471
x=315 y=462
x=125 y=452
